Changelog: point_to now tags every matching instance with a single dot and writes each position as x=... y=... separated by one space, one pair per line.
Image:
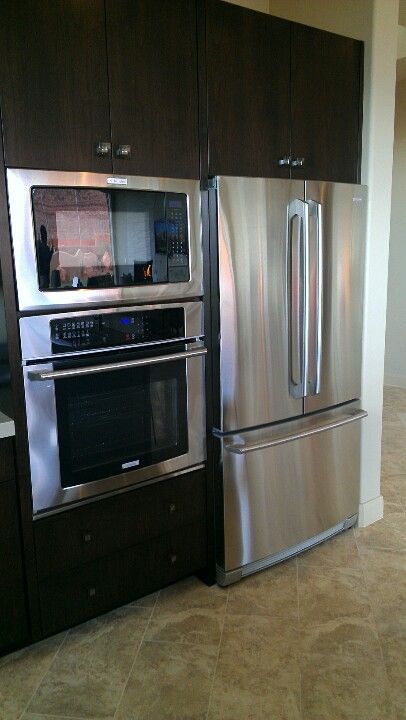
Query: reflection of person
x=44 y=258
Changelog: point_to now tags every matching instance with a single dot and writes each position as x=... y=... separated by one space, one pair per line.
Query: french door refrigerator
x=290 y=282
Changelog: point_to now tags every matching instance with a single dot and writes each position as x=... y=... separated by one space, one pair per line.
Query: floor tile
x=386 y=534
x=88 y=675
x=196 y=626
x=385 y=576
x=338 y=551
x=345 y=687
x=341 y=636
x=169 y=681
x=21 y=673
x=191 y=593
x=258 y=674
x=269 y=592
x=328 y=593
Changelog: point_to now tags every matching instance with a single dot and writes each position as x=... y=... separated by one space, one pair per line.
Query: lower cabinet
x=13 y=612
x=110 y=552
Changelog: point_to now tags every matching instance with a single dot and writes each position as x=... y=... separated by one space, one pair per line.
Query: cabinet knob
x=123 y=151
x=87 y=538
x=172 y=508
x=173 y=559
x=285 y=160
x=103 y=149
x=297 y=162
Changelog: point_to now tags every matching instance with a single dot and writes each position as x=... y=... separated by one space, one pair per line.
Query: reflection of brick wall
x=73 y=218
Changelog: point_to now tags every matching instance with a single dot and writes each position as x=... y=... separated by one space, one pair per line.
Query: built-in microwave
x=91 y=238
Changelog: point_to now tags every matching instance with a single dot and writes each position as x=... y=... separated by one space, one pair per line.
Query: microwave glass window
x=130 y=418
x=88 y=238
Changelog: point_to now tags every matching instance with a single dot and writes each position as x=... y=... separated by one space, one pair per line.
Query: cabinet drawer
x=73 y=597
x=95 y=530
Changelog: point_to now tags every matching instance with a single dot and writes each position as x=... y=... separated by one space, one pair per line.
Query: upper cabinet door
x=248 y=76
x=54 y=86
x=152 y=50
x=327 y=72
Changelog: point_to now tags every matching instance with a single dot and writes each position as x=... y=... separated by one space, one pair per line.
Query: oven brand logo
x=132 y=463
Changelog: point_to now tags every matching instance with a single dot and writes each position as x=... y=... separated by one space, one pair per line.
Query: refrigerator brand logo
x=117 y=181
x=357 y=199
x=132 y=463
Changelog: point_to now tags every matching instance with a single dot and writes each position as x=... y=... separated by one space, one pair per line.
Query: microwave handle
x=110 y=367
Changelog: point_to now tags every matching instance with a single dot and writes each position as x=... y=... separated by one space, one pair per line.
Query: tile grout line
x=43 y=675
x=136 y=656
x=218 y=655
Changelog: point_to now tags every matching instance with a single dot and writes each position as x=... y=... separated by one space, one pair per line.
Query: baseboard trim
x=395 y=381
x=370 y=511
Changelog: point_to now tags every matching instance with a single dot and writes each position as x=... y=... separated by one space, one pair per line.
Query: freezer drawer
x=285 y=484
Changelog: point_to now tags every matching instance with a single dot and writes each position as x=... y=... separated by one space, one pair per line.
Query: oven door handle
x=110 y=367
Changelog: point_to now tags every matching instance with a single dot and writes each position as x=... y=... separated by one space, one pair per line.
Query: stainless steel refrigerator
x=290 y=281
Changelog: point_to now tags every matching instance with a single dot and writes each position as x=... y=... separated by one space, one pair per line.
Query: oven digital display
x=116 y=329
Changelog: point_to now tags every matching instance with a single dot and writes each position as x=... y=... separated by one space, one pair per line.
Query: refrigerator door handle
x=348 y=417
x=314 y=329
x=297 y=242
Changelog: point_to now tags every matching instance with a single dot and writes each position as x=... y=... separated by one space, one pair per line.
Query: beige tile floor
x=319 y=637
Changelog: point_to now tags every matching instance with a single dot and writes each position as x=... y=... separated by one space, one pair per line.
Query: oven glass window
x=109 y=423
x=90 y=238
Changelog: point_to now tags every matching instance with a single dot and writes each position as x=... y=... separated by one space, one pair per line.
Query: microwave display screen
x=94 y=238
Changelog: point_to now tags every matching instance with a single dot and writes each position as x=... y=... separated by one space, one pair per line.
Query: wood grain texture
x=248 y=76
x=326 y=104
x=54 y=84
x=152 y=49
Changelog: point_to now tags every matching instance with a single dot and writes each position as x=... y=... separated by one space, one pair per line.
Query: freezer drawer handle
x=240 y=449
x=109 y=367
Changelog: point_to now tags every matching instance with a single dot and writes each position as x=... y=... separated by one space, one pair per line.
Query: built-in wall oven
x=91 y=238
x=114 y=397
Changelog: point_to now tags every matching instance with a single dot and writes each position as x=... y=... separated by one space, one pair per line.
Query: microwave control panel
x=116 y=329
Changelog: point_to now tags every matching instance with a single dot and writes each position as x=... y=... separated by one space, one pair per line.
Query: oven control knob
x=172 y=508
x=92 y=592
x=173 y=559
x=87 y=537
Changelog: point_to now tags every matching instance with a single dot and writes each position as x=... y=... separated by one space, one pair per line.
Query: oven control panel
x=91 y=332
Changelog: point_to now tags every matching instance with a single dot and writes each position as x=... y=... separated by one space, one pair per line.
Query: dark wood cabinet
x=117 y=549
x=279 y=90
x=54 y=84
x=67 y=86
x=248 y=75
x=152 y=52
x=326 y=105
x=13 y=612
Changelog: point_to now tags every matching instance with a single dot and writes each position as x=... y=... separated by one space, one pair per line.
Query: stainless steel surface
x=285 y=160
x=111 y=367
x=254 y=303
x=43 y=442
x=229 y=577
x=30 y=297
x=315 y=291
x=298 y=222
x=123 y=151
x=282 y=495
x=103 y=148
x=343 y=247
x=35 y=330
x=297 y=162
x=320 y=425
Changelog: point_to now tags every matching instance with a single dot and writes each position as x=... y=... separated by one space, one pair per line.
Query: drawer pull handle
x=87 y=537
x=173 y=559
x=92 y=592
x=172 y=508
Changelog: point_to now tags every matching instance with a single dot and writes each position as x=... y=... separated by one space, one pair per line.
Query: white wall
x=395 y=356
x=375 y=22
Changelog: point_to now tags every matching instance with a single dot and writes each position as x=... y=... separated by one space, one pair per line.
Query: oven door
x=100 y=425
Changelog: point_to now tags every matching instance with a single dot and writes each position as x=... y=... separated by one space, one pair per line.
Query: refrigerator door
x=261 y=225
x=336 y=248
x=284 y=485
